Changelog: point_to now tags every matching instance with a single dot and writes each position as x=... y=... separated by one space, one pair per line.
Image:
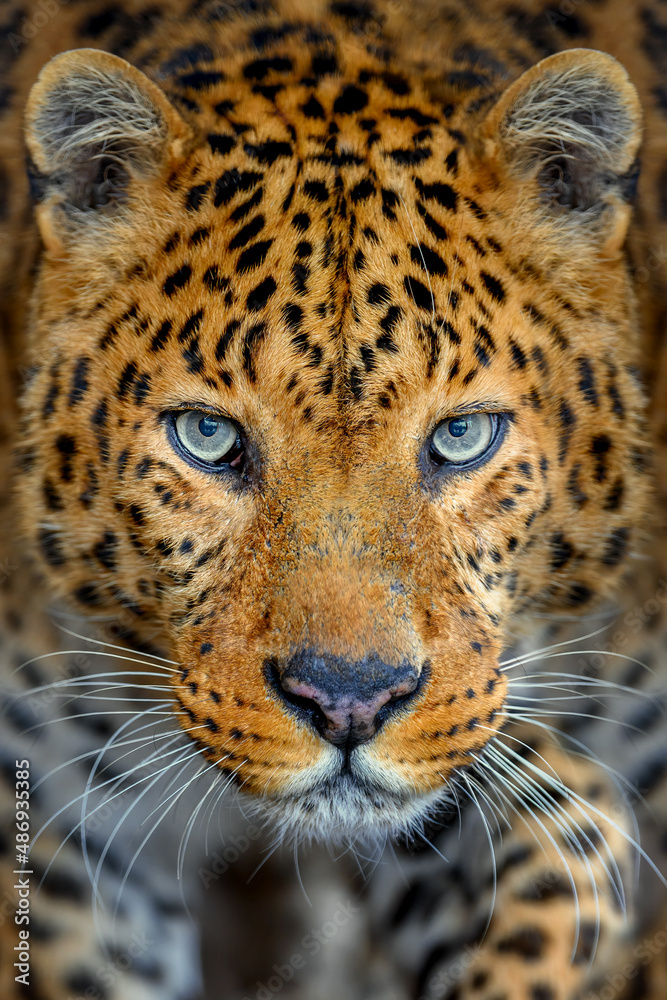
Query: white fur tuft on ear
x=572 y=123
x=94 y=122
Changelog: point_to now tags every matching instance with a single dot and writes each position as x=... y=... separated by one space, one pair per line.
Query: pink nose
x=345 y=702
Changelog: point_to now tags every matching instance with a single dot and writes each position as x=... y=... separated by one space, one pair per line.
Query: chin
x=350 y=806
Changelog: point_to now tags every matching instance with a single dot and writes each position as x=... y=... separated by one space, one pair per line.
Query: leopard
x=333 y=572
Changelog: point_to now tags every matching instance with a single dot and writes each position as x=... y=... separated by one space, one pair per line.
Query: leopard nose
x=345 y=702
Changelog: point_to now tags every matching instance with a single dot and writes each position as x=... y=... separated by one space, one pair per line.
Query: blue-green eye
x=463 y=439
x=207 y=438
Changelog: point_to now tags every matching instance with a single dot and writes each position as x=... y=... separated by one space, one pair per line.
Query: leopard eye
x=209 y=439
x=463 y=439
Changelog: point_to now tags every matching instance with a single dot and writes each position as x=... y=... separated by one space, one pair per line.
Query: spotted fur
x=338 y=226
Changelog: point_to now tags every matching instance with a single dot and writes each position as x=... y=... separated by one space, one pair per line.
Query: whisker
x=564 y=820
x=547 y=649
x=489 y=837
x=133 y=804
x=110 y=645
x=526 y=806
x=421 y=254
x=582 y=652
x=91 y=652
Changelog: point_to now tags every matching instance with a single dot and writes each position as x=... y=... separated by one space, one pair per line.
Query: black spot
x=66 y=445
x=251 y=341
x=260 y=295
x=350 y=100
x=79 y=386
x=600 y=446
x=259 y=69
x=414 y=115
x=518 y=357
x=52 y=498
x=126 y=379
x=615 y=547
x=443 y=194
x=323 y=64
x=615 y=496
x=191 y=326
x=356 y=386
x=199 y=236
x=172 y=243
x=326 y=385
x=419 y=293
x=100 y=22
x=81 y=982
x=205 y=647
x=160 y=338
x=579 y=594
x=527 y=942
x=493 y=287
x=451 y=161
x=312 y=108
x=561 y=551
x=316 y=190
x=587 y=381
x=221 y=144
x=300 y=275
x=87 y=594
x=229 y=183
x=253 y=257
x=453 y=335
x=389 y=202
x=268 y=152
x=409 y=157
x=301 y=222
x=201 y=79
x=363 y=190
x=141 y=388
x=389 y=322
x=567 y=422
x=50 y=544
x=177 y=280
x=214 y=281
x=428 y=260
x=378 y=294
x=247 y=233
x=244 y=209
x=195 y=196
x=541 y=992
x=368 y=357
x=136 y=514
x=105 y=550
x=586 y=940
x=293 y=315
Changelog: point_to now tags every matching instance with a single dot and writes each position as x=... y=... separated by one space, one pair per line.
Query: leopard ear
x=571 y=126
x=94 y=125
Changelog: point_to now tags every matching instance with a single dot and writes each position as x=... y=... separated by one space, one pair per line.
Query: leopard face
x=334 y=394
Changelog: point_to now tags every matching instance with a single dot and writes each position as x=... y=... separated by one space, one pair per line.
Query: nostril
x=346 y=703
x=306 y=707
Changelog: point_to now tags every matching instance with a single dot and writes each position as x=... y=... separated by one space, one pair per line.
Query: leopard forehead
x=317 y=237
x=334 y=266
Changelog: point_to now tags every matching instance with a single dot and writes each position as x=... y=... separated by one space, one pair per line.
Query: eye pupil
x=208 y=426
x=463 y=440
x=458 y=427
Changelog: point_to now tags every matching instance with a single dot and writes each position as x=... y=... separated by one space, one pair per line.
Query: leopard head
x=334 y=394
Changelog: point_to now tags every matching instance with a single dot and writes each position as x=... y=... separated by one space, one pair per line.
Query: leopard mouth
x=347 y=806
